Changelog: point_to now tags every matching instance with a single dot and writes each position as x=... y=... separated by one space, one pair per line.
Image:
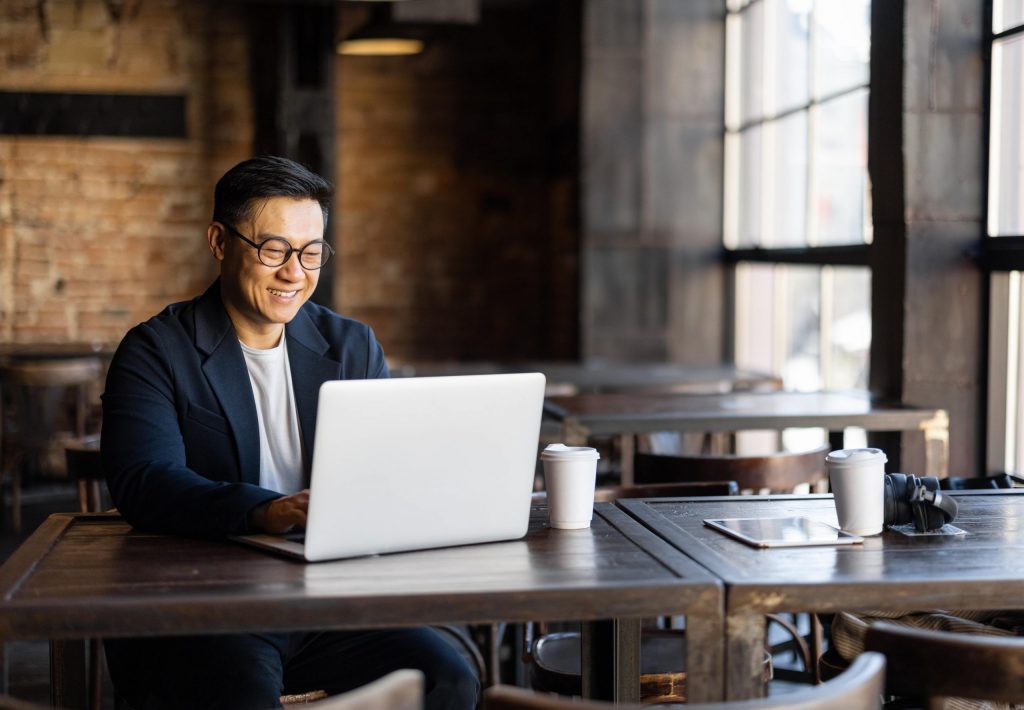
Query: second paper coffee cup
x=857 y=477
x=569 y=476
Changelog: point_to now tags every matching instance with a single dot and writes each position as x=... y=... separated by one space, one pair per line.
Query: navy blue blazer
x=180 y=443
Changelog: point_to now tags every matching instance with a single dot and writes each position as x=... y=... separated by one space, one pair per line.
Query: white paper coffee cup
x=569 y=476
x=857 y=477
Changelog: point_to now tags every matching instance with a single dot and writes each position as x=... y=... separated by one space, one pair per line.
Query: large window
x=797 y=219
x=1005 y=243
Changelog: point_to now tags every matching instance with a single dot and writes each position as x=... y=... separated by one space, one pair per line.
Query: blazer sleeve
x=143 y=450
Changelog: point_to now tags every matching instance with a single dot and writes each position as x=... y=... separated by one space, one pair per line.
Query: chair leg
x=95 y=674
x=16 y=500
x=817 y=640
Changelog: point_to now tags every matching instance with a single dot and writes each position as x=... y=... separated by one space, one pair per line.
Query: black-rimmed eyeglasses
x=275 y=251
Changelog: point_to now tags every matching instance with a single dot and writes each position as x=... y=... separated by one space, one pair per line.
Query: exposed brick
x=86 y=223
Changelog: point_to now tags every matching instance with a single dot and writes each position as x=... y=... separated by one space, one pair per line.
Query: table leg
x=611 y=660
x=936 y=445
x=627 y=447
x=744 y=656
x=68 y=675
x=4 y=669
x=705 y=656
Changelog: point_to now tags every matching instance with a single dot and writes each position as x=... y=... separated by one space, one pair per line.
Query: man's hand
x=282 y=514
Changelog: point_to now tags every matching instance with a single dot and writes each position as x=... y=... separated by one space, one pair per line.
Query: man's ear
x=215 y=235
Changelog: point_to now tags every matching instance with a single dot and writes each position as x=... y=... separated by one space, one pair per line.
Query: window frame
x=829 y=255
x=999 y=254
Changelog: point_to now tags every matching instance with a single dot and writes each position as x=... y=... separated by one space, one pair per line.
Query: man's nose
x=292 y=268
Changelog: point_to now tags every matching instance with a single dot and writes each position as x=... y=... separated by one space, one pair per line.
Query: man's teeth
x=284 y=294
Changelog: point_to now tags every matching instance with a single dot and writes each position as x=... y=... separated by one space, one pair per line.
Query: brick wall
x=457 y=220
x=457 y=171
x=97 y=234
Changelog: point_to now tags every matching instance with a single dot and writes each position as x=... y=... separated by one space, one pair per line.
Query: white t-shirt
x=280 y=443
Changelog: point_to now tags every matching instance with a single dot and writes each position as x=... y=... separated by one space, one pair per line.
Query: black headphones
x=910 y=498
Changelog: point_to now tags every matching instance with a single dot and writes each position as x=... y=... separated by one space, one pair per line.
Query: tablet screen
x=782 y=532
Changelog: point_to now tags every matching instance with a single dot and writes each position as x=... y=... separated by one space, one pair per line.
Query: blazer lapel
x=228 y=376
x=310 y=367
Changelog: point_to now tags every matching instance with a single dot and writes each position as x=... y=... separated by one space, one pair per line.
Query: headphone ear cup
x=897 y=510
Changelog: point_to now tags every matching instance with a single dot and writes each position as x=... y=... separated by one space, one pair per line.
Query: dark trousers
x=251 y=671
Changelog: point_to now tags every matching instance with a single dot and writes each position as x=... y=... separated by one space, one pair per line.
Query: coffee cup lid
x=561 y=452
x=855 y=457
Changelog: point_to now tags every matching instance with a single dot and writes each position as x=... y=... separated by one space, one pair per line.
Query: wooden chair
x=778 y=473
x=608 y=494
x=859 y=688
x=937 y=665
x=399 y=690
x=35 y=391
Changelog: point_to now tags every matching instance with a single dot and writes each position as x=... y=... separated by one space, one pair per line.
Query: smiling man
x=208 y=420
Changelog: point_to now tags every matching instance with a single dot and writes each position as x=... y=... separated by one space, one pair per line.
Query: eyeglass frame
x=289 y=251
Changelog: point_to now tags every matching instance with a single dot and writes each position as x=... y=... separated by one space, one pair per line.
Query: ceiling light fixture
x=382 y=37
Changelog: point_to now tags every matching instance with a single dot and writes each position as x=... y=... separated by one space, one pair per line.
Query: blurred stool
x=84 y=465
x=36 y=393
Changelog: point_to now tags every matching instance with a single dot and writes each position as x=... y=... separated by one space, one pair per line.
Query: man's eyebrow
x=263 y=236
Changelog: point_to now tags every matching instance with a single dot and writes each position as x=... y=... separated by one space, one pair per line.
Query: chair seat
x=557 y=665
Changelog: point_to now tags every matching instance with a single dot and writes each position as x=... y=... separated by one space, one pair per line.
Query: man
x=208 y=422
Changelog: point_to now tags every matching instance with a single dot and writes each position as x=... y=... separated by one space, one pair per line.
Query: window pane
x=750 y=198
x=755 y=321
x=840 y=169
x=788 y=188
x=1006 y=149
x=752 y=63
x=777 y=317
x=849 y=328
x=791 y=23
x=1007 y=14
x=842 y=44
x=801 y=368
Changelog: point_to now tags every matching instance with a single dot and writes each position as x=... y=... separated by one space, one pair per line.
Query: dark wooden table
x=80 y=576
x=624 y=415
x=982 y=570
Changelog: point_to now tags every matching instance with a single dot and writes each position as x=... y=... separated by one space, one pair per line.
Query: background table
x=628 y=414
x=81 y=576
x=590 y=377
x=891 y=571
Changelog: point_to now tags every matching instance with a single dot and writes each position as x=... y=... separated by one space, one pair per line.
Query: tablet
x=782 y=532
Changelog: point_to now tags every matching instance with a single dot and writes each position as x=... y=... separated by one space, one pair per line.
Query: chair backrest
x=399 y=690
x=780 y=472
x=940 y=664
x=857 y=688
x=609 y=494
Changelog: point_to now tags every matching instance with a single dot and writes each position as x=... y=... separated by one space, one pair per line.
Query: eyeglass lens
x=275 y=251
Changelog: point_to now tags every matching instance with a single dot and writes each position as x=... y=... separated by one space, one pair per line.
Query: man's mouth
x=281 y=294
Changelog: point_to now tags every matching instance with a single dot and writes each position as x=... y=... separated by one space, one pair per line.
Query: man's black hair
x=241 y=188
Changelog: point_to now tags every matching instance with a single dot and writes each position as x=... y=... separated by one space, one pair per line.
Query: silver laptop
x=416 y=463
